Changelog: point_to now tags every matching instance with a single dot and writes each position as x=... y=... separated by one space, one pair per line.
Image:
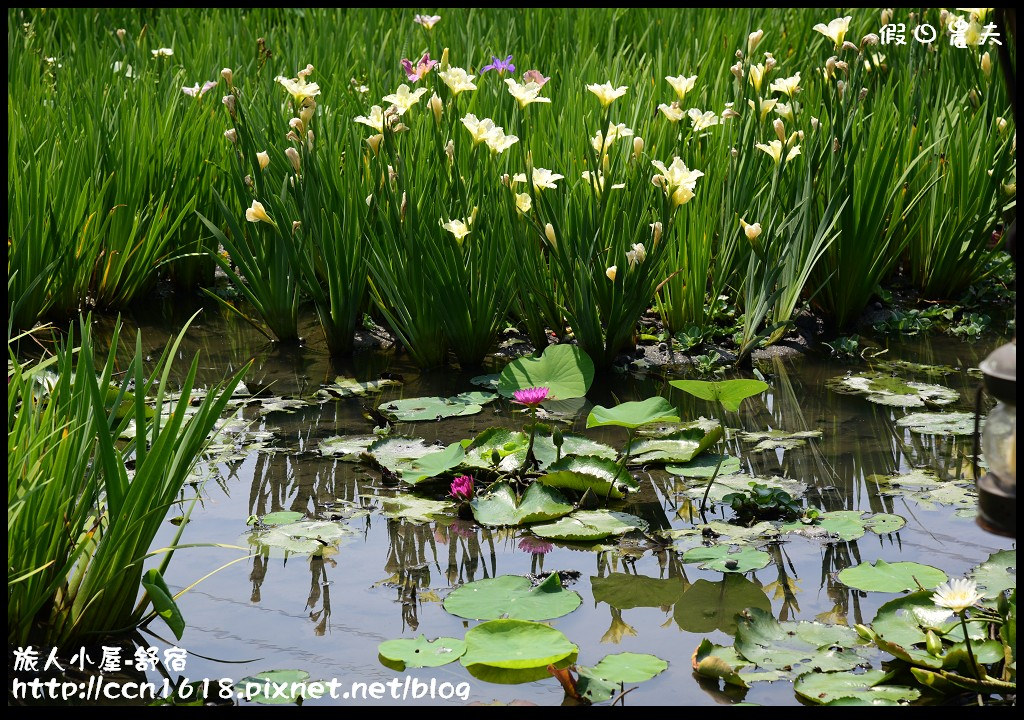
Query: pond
x=327 y=614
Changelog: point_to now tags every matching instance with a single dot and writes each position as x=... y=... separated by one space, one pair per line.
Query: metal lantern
x=997 y=489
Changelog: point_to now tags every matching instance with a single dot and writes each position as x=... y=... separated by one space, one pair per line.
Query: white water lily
x=525 y=94
x=681 y=85
x=375 y=119
x=636 y=255
x=542 y=178
x=790 y=86
x=672 y=112
x=458 y=228
x=523 y=202
x=702 y=120
x=774 y=148
x=764 y=108
x=607 y=94
x=403 y=98
x=957 y=595
x=836 y=29
x=257 y=213
x=457 y=80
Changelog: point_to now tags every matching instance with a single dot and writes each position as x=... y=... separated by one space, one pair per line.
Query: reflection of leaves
x=884 y=389
x=625 y=592
x=413 y=508
x=867 y=687
x=772 y=439
x=708 y=606
x=891 y=577
x=618 y=629
x=796 y=646
x=512 y=596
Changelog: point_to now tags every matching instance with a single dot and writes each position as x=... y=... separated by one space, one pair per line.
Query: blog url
x=98 y=689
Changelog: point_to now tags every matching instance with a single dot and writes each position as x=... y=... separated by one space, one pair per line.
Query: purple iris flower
x=502 y=66
x=417 y=72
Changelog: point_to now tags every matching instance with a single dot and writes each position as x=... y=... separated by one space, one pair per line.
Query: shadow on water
x=327 y=614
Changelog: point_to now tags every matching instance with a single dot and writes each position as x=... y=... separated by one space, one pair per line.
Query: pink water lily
x=531 y=397
x=462 y=487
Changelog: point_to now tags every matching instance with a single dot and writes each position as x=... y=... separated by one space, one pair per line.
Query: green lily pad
x=510 y=444
x=704 y=466
x=487 y=381
x=625 y=592
x=515 y=644
x=346 y=447
x=512 y=596
x=772 y=439
x=728 y=392
x=586 y=525
x=937 y=423
x=726 y=533
x=884 y=389
x=905 y=366
x=707 y=606
x=414 y=509
x=393 y=453
x=741 y=483
x=634 y=414
x=565 y=370
x=681 y=446
x=727 y=558
x=419 y=652
x=589 y=473
x=430 y=466
x=254 y=686
x=281 y=517
x=344 y=387
x=500 y=507
x=928 y=491
x=796 y=646
x=565 y=411
x=719 y=662
x=997 y=574
x=891 y=577
x=437 y=408
x=307 y=537
x=868 y=687
x=572 y=445
x=279 y=404
x=847 y=525
x=600 y=682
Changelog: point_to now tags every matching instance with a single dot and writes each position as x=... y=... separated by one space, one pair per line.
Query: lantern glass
x=999 y=445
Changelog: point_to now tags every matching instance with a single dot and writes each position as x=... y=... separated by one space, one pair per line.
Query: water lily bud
x=986 y=65
x=886 y=16
x=862 y=94
x=296 y=224
x=264 y=159
x=374 y=142
x=443 y=65
x=865 y=632
x=495 y=457
x=227 y=75
x=611 y=272
x=737 y=70
x=656 y=230
x=869 y=39
x=815 y=123
x=769 y=62
x=638 y=147
x=780 y=129
x=293 y=157
x=549 y=233
x=933 y=644
x=754 y=39
x=556 y=438
x=229 y=103
x=121 y=32
x=231 y=135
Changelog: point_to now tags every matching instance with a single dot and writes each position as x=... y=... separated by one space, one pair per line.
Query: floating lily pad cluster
x=927 y=490
x=884 y=389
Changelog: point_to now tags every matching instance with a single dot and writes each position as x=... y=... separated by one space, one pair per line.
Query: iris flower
x=523 y=202
x=525 y=94
x=427 y=21
x=417 y=72
x=542 y=178
x=785 y=110
x=611 y=272
x=702 y=121
x=597 y=180
x=498 y=141
x=835 y=30
x=673 y=112
x=677 y=177
x=756 y=76
x=375 y=121
x=601 y=143
x=606 y=93
x=479 y=129
x=535 y=76
x=501 y=66
x=297 y=87
x=197 y=91
x=163 y=52
x=774 y=148
x=682 y=85
x=263 y=159
x=403 y=99
x=458 y=228
x=765 y=106
x=636 y=255
x=751 y=230
x=457 y=80
x=790 y=86
x=257 y=213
